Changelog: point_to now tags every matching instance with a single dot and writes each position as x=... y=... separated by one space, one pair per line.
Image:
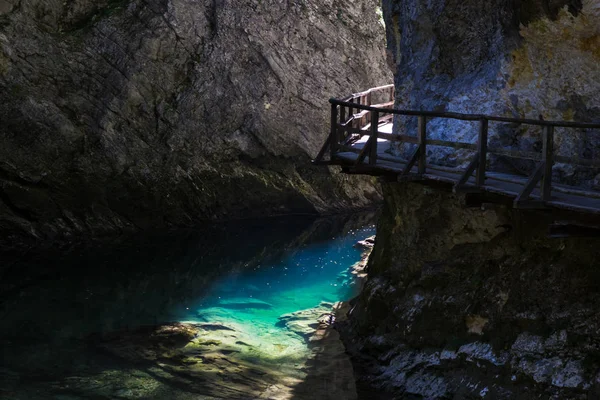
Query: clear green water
x=253 y=300
x=301 y=279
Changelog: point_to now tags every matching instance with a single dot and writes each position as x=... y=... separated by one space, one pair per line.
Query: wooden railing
x=350 y=118
x=355 y=115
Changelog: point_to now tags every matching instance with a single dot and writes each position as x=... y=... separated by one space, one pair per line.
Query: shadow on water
x=58 y=310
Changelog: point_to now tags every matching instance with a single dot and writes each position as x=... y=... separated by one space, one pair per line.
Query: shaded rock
x=367 y=243
x=527 y=343
x=306 y=322
x=136 y=115
x=441 y=272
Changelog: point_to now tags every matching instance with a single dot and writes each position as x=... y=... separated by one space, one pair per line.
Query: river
x=228 y=311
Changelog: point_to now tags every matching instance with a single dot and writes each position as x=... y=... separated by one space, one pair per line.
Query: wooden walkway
x=362 y=147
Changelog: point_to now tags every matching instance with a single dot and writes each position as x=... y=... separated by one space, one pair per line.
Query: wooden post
x=422 y=144
x=351 y=113
x=548 y=159
x=373 y=138
x=368 y=103
x=335 y=137
x=482 y=149
x=344 y=130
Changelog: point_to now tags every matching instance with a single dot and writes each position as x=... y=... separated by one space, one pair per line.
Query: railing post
x=548 y=156
x=374 y=136
x=351 y=113
x=422 y=144
x=335 y=137
x=344 y=130
x=367 y=102
x=482 y=149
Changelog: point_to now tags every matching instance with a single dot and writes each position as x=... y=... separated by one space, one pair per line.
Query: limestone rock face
x=521 y=59
x=135 y=114
x=475 y=303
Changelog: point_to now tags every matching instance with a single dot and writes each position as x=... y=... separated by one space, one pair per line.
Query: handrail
x=356 y=116
x=468 y=117
x=372 y=90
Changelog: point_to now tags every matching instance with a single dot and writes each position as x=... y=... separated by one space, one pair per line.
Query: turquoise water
x=253 y=300
x=57 y=309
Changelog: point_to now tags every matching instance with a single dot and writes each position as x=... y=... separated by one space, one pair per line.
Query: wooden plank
x=412 y=161
x=323 y=150
x=465 y=188
x=410 y=178
x=334 y=134
x=467 y=174
x=373 y=138
x=585 y=162
x=372 y=90
x=529 y=204
x=527 y=155
x=530 y=185
x=342 y=124
x=364 y=152
x=422 y=126
x=454 y=145
x=399 y=138
x=350 y=149
x=384 y=105
x=351 y=112
x=482 y=152
x=548 y=151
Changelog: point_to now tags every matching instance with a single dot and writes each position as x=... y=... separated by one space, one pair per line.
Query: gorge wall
x=475 y=303
x=513 y=58
x=466 y=302
x=139 y=114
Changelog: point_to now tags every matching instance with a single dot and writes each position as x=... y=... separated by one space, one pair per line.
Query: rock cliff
x=469 y=303
x=521 y=59
x=126 y=114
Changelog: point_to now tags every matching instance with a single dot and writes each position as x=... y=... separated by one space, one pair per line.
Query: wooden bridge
x=361 y=137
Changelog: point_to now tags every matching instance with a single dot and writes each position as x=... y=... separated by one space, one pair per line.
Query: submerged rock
x=243 y=303
x=234 y=360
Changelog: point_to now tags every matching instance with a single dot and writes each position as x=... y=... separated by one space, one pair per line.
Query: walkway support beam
x=548 y=157
x=422 y=144
x=482 y=151
x=334 y=145
x=373 y=138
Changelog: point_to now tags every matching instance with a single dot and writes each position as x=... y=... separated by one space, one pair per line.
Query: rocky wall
x=466 y=302
x=121 y=115
x=512 y=58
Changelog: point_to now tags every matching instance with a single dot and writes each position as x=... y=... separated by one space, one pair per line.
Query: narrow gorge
x=165 y=235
